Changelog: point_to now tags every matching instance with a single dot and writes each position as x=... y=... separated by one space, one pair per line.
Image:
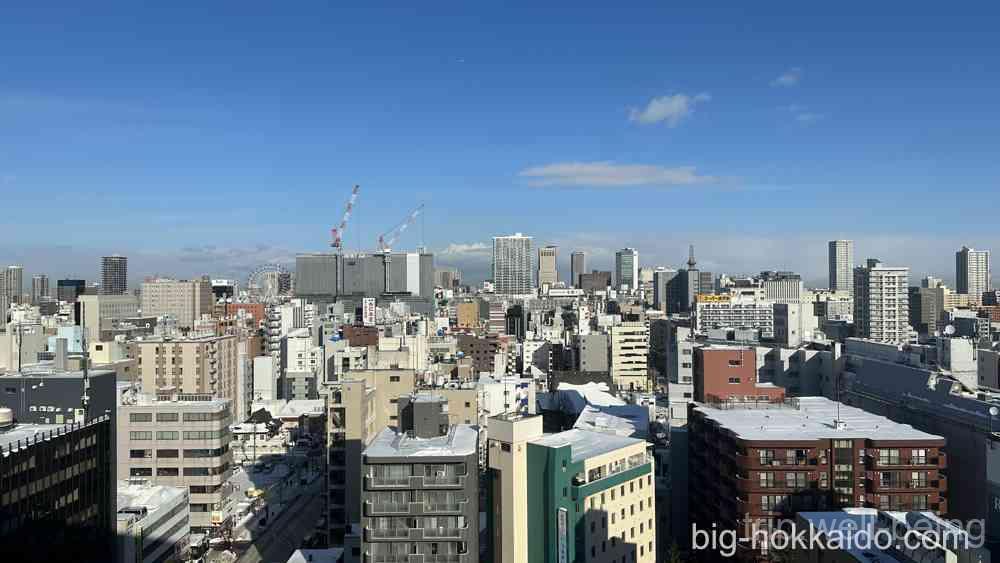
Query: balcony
x=444 y=533
x=387 y=482
x=388 y=533
x=387 y=508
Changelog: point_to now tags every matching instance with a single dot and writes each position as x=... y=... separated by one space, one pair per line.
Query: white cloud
x=802 y=114
x=456 y=250
x=671 y=109
x=607 y=174
x=789 y=78
x=808 y=117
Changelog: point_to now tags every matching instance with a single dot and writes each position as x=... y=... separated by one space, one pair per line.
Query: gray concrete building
x=841 y=265
x=114 y=275
x=421 y=487
x=577 y=267
x=593 y=353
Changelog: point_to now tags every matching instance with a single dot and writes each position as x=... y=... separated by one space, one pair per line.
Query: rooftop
x=461 y=440
x=622 y=420
x=48 y=369
x=149 y=496
x=812 y=420
x=585 y=444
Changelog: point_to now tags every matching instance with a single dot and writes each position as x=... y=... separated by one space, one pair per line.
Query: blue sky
x=208 y=137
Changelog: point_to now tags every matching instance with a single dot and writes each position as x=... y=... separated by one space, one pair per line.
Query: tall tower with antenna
x=692 y=263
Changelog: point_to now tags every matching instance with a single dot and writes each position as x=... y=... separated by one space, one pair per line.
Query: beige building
x=191 y=365
x=183 y=300
x=468 y=315
x=179 y=440
x=630 y=356
x=548 y=273
x=606 y=511
x=100 y=311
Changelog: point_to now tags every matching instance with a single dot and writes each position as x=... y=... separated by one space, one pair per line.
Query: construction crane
x=386 y=240
x=337 y=233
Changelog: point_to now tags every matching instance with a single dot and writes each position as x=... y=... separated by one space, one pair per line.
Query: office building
x=881 y=302
x=153 y=522
x=183 y=300
x=630 y=356
x=756 y=465
x=178 y=440
x=548 y=273
x=662 y=278
x=421 y=486
x=593 y=352
x=595 y=281
x=577 y=267
x=196 y=365
x=973 y=273
x=735 y=312
x=44 y=394
x=114 y=275
x=577 y=495
x=324 y=277
x=39 y=288
x=627 y=269
x=782 y=287
x=101 y=312
x=58 y=492
x=68 y=290
x=15 y=284
x=512 y=265
x=841 y=266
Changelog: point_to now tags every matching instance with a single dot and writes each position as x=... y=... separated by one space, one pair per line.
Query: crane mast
x=337 y=233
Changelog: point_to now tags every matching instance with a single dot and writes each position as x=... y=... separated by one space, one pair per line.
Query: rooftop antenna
x=691 y=261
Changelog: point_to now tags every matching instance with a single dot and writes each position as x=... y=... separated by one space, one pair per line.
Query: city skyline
x=190 y=152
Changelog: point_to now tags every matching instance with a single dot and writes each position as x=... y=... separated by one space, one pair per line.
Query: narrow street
x=284 y=534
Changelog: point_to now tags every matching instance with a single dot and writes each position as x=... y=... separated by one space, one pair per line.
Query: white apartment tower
x=512 y=264
x=627 y=268
x=547 y=272
x=972 y=273
x=881 y=302
x=842 y=266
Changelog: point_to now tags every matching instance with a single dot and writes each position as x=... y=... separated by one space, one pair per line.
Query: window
x=888 y=456
x=918 y=457
x=919 y=502
x=767 y=479
x=394 y=378
x=505 y=447
x=167 y=453
x=735 y=363
x=139 y=454
x=140 y=435
x=202 y=416
x=167 y=435
x=141 y=472
x=166 y=417
x=734 y=380
x=166 y=472
x=766 y=457
x=795 y=480
x=140 y=417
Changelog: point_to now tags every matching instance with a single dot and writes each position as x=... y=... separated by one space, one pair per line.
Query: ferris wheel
x=269 y=281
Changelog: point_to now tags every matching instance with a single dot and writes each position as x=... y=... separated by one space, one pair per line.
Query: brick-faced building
x=729 y=373
x=756 y=464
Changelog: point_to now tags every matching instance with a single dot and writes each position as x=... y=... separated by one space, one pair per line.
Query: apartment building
x=184 y=300
x=841 y=266
x=730 y=374
x=576 y=495
x=512 y=271
x=178 y=440
x=57 y=490
x=756 y=465
x=881 y=302
x=359 y=406
x=421 y=487
x=206 y=364
x=630 y=356
x=734 y=311
x=114 y=275
x=973 y=273
x=99 y=312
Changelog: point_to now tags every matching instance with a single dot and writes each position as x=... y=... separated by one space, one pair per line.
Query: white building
x=972 y=273
x=548 y=274
x=630 y=356
x=734 y=311
x=184 y=300
x=881 y=302
x=153 y=522
x=842 y=266
x=512 y=270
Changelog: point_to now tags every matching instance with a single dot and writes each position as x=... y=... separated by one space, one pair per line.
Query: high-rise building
x=972 y=273
x=577 y=267
x=114 y=275
x=627 y=268
x=185 y=301
x=547 y=269
x=15 y=283
x=661 y=284
x=69 y=290
x=841 y=256
x=421 y=486
x=577 y=495
x=881 y=302
x=39 y=288
x=4 y=299
x=512 y=265
x=191 y=365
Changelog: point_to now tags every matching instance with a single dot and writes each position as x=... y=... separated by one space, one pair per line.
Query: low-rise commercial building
x=153 y=523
